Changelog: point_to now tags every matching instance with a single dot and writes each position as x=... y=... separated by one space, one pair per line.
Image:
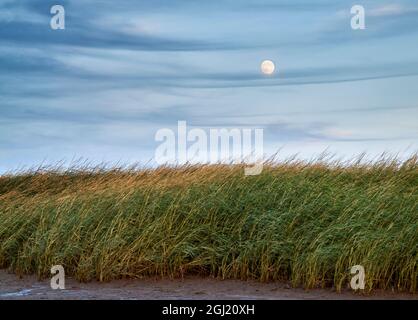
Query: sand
x=189 y=288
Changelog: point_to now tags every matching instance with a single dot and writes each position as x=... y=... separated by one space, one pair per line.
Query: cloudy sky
x=121 y=70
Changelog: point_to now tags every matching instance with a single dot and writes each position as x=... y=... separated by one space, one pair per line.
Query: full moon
x=267 y=67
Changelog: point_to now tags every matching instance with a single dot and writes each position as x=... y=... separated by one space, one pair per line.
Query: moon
x=268 y=67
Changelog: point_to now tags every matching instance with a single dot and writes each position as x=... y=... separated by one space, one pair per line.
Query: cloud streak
x=120 y=71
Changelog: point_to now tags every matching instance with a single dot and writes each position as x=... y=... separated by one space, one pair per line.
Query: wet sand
x=28 y=287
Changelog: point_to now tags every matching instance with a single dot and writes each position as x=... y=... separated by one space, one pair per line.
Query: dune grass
x=298 y=221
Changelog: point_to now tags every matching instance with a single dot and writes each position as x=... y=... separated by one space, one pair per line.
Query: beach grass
x=298 y=221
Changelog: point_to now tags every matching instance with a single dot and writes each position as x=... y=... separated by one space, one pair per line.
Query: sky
x=121 y=70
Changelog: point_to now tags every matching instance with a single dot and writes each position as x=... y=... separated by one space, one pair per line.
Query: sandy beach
x=189 y=288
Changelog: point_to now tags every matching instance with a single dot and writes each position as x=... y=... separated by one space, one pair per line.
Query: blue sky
x=121 y=70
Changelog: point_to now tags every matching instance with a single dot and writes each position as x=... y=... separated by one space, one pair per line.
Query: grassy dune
x=304 y=222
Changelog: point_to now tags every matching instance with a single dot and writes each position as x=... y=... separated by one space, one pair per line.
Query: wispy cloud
x=120 y=71
x=392 y=9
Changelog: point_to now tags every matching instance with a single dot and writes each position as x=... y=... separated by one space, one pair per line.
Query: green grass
x=303 y=222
